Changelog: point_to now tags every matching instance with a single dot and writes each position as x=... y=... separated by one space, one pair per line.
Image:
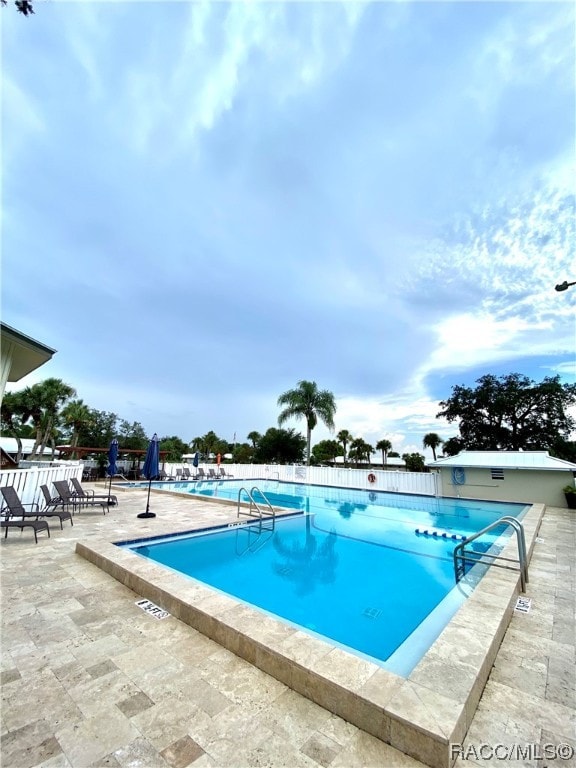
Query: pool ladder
x=463 y=556
x=255 y=510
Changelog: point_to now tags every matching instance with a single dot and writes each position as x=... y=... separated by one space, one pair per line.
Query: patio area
x=90 y=680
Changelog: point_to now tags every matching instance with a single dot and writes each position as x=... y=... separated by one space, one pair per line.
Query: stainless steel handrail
x=477 y=557
x=254 y=504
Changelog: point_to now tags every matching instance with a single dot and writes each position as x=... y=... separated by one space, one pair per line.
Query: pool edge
x=420 y=715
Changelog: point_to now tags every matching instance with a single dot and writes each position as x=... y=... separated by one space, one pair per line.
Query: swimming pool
x=355 y=568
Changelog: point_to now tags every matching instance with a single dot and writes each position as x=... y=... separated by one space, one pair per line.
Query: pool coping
x=420 y=715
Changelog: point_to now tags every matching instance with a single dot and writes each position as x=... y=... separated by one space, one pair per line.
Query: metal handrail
x=254 y=504
x=477 y=557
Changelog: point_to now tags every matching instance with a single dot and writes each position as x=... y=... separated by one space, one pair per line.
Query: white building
x=530 y=476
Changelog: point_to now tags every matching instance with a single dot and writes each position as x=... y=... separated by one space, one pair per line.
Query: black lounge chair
x=212 y=475
x=53 y=502
x=69 y=498
x=82 y=493
x=16 y=508
x=36 y=525
x=223 y=473
x=186 y=474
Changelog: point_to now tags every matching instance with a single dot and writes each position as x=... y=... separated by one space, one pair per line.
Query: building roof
x=27 y=353
x=10 y=445
x=504 y=460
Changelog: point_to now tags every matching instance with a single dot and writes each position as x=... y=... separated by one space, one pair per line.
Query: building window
x=497 y=474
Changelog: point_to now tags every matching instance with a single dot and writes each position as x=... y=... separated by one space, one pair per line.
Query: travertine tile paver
x=89 y=680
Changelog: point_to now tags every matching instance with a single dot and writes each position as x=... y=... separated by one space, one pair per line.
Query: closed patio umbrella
x=151 y=471
x=112 y=459
x=196 y=459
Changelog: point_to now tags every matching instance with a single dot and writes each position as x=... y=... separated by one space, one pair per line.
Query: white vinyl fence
x=27 y=482
x=369 y=479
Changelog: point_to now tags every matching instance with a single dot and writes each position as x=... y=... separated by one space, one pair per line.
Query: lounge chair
x=82 y=493
x=52 y=502
x=223 y=473
x=212 y=475
x=201 y=474
x=15 y=508
x=187 y=474
x=78 y=503
x=179 y=474
x=36 y=525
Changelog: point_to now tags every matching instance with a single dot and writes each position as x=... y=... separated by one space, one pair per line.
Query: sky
x=204 y=203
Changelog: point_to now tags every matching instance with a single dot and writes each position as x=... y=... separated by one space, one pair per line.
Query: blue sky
x=204 y=203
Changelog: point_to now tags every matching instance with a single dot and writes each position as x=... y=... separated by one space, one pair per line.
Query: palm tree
x=432 y=440
x=344 y=437
x=311 y=403
x=254 y=438
x=76 y=415
x=41 y=403
x=384 y=446
x=360 y=450
x=12 y=415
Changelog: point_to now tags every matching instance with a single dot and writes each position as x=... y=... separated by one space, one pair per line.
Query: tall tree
x=22 y=6
x=174 y=447
x=42 y=403
x=452 y=446
x=326 y=451
x=512 y=413
x=415 y=462
x=100 y=428
x=344 y=437
x=254 y=437
x=307 y=401
x=75 y=415
x=283 y=446
x=132 y=436
x=12 y=415
x=384 y=446
x=433 y=441
x=360 y=450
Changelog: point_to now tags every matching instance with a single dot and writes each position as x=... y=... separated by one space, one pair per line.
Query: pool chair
x=223 y=473
x=13 y=508
x=186 y=474
x=36 y=525
x=201 y=475
x=77 y=503
x=17 y=508
x=179 y=475
x=212 y=475
x=82 y=493
x=55 y=506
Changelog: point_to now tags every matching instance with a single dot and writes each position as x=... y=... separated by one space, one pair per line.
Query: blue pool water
x=352 y=568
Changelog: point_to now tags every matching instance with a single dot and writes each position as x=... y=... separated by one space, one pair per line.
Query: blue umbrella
x=112 y=458
x=151 y=470
x=196 y=459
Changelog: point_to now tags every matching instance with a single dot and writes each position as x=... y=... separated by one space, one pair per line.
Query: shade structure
x=151 y=470
x=196 y=459
x=112 y=459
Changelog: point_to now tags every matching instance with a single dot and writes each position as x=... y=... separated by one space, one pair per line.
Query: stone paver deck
x=90 y=680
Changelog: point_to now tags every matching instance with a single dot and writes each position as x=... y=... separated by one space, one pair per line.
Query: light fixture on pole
x=563 y=286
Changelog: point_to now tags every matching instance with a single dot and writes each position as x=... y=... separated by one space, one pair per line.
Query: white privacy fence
x=27 y=482
x=371 y=479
